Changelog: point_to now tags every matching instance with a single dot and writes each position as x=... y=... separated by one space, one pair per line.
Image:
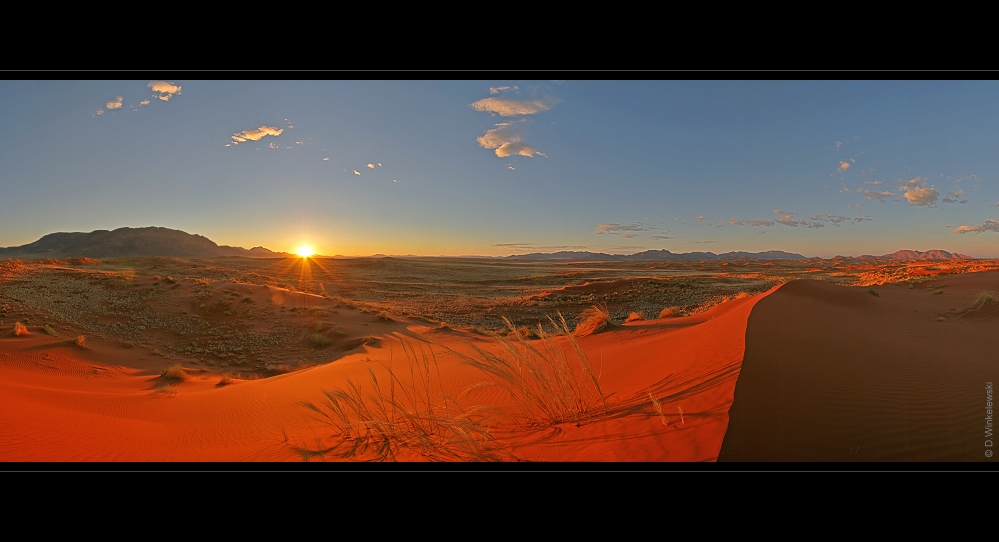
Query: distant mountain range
x=911 y=255
x=126 y=242
x=155 y=241
x=658 y=255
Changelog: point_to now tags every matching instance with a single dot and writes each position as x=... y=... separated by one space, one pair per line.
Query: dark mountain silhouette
x=127 y=242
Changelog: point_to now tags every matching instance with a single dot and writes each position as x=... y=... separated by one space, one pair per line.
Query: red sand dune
x=62 y=403
x=831 y=373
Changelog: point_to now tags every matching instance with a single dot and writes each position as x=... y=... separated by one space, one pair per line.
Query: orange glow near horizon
x=304 y=251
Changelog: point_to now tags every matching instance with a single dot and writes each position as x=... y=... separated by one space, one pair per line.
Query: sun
x=305 y=251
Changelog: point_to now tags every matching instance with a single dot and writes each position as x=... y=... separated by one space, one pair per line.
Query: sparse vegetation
x=20 y=329
x=225 y=380
x=318 y=340
x=592 y=320
x=50 y=330
x=633 y=317
x=80 y=341
x=873 y=292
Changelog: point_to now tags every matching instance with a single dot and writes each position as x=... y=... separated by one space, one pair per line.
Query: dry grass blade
x=659 y=409
x=402 y=415
x=550 y=382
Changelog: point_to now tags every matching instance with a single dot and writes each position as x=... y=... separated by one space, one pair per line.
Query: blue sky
x=505 y=166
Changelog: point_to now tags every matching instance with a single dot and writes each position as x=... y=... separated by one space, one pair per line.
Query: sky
x=509 y=166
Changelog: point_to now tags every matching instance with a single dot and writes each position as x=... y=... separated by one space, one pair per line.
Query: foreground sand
x=59 y=402
x=831 y=373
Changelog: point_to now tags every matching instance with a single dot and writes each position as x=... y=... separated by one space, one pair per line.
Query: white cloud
x=256 y=134
x=918 y=194
x=510 y=107
x=164 y=90
x=326 y=158
x=145 y=102
x=357 y=172
x=506 y=140
x=114 y=104
x=371 y=166
x=497 y=90
x=843 y=165
x=988 y=225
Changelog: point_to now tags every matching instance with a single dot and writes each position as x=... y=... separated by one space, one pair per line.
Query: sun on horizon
x=304 y=251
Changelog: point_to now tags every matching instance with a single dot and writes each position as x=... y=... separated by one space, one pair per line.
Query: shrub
x=592 y=320
x=50 y=330
x=873 y=292
x=20 y=329
x=634 y=316
x=80 y=341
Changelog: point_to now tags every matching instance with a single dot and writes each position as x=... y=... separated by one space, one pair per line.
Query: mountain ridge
x=132 y=242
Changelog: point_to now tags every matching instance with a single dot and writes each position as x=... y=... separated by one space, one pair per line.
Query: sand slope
x=61 y=403
x=838 y=374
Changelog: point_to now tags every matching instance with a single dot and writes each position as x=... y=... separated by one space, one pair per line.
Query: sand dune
x=841 y=374
x=59 y=402
x=808 y=371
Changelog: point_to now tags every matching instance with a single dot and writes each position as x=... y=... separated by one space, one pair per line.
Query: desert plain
x=457 y=359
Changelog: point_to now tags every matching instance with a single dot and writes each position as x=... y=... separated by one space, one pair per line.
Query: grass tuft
x=592 y=320
x=669 y=312
x=386 y=417
x=50 y=330
x=20 y=329
x=80 y=341
x=551 y=380
x=985 y=298
x=633 y=317
x=175 y=372
x=873 y=292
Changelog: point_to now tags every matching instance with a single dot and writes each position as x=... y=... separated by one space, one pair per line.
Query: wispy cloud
x=625 y=230
x=956 y=196
x=114 y=104
x=660 y=237
x=873 y=183
x=145 y=102
x=699 y=218
x=497 y=90
x=788 y=219
x=878 y=196
x=506 y=140
x=164 y=90
x=512 y=107
x=371 y=166
x=256 y=134
x=988 y=225
x=357 y=172
x=844 y=165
